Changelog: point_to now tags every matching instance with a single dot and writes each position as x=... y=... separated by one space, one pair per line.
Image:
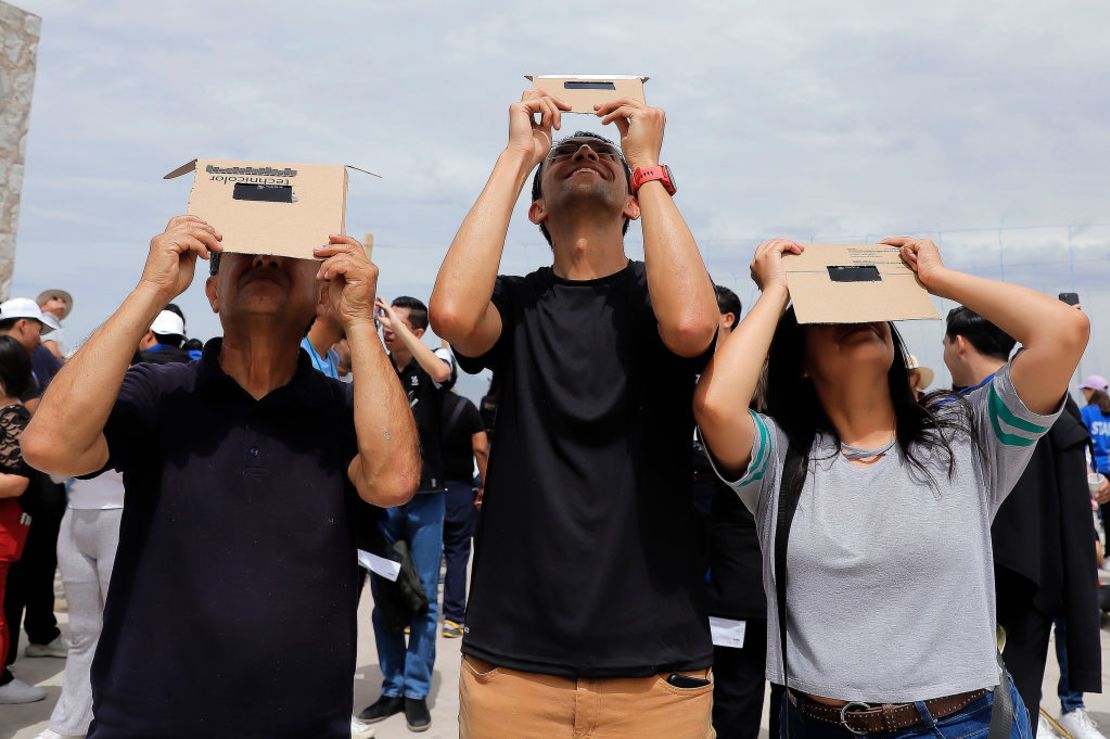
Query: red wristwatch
x=659 y=172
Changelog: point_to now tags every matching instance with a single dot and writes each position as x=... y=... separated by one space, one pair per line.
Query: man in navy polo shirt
x=232 y=607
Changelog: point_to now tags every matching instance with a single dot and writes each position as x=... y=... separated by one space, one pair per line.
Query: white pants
x=86 y=552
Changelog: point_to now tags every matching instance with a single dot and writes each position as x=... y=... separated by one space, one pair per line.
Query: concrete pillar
x=19 y=38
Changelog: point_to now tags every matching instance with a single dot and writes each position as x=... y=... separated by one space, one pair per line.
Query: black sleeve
x=503 y=301
x=471 y=420
x=130 y=430
x=13 y=419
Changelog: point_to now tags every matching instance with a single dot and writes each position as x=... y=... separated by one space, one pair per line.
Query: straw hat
x=925 y=379
x=45 y=296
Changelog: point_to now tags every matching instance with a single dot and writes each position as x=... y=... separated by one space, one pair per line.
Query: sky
x=982 y=125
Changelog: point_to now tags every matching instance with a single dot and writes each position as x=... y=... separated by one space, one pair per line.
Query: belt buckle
x=844 y=716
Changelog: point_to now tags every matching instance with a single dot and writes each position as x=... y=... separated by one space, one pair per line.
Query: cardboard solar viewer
x=264 y=207
x=854 y=283
x=583 y=91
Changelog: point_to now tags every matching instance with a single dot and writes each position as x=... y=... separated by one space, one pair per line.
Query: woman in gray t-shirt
x=890 y=591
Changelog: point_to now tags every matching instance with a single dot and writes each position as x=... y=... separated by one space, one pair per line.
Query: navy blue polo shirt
x=232 y=605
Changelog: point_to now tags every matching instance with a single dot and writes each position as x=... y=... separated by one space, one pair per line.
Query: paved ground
x=25 y=722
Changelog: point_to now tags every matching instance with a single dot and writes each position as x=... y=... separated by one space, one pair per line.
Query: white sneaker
x=360 y=730
x=1045 y=729
x=58 y=648
x=1080 y=725
x=18 y=691
x=51 y=734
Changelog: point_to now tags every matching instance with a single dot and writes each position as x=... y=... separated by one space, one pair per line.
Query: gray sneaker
x=18 y=691
x=58 y=648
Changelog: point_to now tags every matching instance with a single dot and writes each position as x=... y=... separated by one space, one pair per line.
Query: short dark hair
x=7 y=324
x=537 y=192
x=988 y=339
x=169 y=339
x=727 y=302
x=213 y=265
x=418 y=312
x=15 y=367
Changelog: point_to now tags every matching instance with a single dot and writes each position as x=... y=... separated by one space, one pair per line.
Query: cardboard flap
x=269 y=207
x=855 y=283
x=364 y=171
x=583 y=91
x=183 y=169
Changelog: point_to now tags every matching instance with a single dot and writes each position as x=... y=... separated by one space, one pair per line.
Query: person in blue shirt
x=318 y=342
x=1096 y=417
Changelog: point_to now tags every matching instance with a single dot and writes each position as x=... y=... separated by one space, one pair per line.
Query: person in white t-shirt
x=86 y=551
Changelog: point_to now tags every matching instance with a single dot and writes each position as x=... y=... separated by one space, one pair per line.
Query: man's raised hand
x=641 y=128
x=351 y=280
x=173 y=255
x=526 y=135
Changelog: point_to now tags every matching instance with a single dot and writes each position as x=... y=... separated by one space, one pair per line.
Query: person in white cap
x=21 y=318
x=56 y=306
x=162 y=342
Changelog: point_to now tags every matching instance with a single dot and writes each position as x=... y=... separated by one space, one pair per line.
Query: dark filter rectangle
x=852 y=273
x=263 y=193
x=579 y=85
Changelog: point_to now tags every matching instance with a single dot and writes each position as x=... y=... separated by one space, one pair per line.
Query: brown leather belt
x=866 y=718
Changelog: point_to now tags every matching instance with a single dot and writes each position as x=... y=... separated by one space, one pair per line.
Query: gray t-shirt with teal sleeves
x=891 y=587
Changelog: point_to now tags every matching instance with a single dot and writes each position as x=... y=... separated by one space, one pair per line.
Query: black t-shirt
x=460 y=422
x=234 y=593
x=426 y=401
x=588 y=558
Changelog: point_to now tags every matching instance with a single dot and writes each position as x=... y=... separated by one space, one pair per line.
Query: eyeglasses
x=568 y=149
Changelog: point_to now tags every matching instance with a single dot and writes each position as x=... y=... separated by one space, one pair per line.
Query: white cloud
x=803 y=119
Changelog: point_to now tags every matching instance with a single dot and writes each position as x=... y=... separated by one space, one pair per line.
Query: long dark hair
x=792 y=401
x=1102 y=400
x=15 y=367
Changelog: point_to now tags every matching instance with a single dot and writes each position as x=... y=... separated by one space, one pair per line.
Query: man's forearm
x=387 y=468
x=481 y=457
x=464 y=286
x=681 y=291
x=439 y=370
x=65 y=433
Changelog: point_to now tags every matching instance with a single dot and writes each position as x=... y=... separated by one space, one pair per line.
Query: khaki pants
x=501 y=703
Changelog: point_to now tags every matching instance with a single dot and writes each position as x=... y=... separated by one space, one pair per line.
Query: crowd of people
x=892 y=560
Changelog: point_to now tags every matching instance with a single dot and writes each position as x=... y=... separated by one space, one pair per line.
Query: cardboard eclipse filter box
x=583 y=91
x=855 y=283
x=264 y=207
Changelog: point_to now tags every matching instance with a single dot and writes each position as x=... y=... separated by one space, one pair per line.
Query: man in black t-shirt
x=465 y=444
x=425 y=376
x=587 y=577
x=234 y=595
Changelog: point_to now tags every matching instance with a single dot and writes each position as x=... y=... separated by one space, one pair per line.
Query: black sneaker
x=416 y=714
x=382 y=708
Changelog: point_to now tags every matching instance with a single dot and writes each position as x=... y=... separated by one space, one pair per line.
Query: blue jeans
x=407 y=671
x=973 y=722
x=1070 y=700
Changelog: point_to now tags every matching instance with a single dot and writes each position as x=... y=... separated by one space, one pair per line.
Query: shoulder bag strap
x=793 y=477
